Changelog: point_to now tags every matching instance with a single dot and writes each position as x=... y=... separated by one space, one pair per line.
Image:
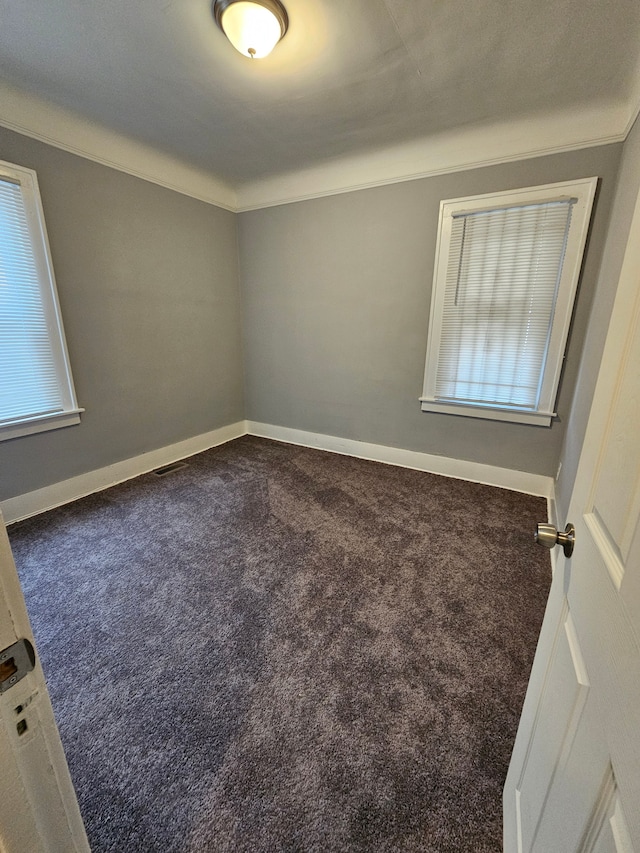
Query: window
x=505 y=278
x=36 y=388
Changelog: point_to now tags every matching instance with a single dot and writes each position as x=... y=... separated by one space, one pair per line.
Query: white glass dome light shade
x=252 y=28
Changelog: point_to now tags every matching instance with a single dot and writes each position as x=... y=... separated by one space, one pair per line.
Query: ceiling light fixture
x=254 y=27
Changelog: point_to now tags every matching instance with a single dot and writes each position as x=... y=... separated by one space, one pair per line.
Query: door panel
x=614 y=506
x=574 y=781
x=566 y=688
x=608 y=831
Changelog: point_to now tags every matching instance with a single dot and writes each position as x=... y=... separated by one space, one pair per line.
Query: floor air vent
x=169 y=469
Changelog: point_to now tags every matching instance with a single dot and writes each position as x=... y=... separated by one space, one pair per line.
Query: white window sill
x=470 y=411
x=41 y=423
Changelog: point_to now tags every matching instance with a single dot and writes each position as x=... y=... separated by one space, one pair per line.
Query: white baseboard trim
x=49 y=497
x=490 y=475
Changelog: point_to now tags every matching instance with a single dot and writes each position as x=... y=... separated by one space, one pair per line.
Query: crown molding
x=634 y=100
x=467 y=148
x=32 y=116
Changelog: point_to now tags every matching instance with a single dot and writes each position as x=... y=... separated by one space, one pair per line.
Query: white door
x=574 y=779
x=38 y=808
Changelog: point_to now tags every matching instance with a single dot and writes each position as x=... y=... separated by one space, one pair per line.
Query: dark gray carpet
x=280 y=649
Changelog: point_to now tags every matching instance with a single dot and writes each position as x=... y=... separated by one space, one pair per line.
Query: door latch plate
x=15 y=662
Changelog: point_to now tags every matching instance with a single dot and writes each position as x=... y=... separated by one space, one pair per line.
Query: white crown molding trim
x=31 y=116
x=49 y=497
x=634 y=101
x=458 y=150
x=459 y=469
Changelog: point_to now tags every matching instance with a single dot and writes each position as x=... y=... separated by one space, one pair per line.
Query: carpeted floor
x=280 y=649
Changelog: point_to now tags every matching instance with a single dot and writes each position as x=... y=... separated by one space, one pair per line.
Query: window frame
x=583 y=190
x=70 y=412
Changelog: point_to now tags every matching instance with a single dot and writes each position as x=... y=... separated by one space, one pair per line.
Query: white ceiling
x=351 y=77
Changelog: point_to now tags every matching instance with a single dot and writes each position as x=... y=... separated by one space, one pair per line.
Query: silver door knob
x=549 y=536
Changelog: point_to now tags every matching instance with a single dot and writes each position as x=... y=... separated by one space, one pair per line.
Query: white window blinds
x=36 y=390
x=505 y=277
x=29 y=377
x=501 y=286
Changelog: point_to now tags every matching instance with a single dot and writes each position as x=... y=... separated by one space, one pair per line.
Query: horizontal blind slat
x=28 y=375
x=500 y=291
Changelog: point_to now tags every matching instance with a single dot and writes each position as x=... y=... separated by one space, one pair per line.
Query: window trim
x=583 y=190
x=70 y=413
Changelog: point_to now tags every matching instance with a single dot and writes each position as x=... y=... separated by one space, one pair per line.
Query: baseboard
x=49 y=497
x=504 y=478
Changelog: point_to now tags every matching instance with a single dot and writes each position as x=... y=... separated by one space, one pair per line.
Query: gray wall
x=336 y=295
x=148 y=285
x=616 y=242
